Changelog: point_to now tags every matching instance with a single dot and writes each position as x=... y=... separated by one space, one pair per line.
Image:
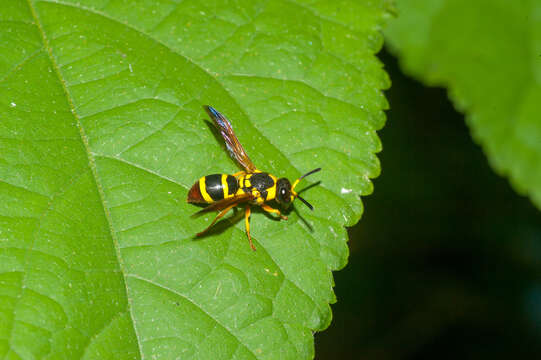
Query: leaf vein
x=193 y=302
x=20 y=64
x=140 y=167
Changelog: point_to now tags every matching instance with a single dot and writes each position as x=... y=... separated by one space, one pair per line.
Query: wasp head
x=285 y=192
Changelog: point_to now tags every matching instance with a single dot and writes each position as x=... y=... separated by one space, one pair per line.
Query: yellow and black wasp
x=251 y=187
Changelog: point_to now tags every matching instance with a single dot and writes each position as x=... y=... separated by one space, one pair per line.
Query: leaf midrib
x=92 y=165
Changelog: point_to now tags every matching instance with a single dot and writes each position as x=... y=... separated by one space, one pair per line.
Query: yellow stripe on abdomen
x=203 y=189
x=225 y=186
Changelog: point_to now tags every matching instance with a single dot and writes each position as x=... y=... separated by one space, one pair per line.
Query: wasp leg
x=269 y=209
x=247 y=218
x=218 y=217
x=237 y=174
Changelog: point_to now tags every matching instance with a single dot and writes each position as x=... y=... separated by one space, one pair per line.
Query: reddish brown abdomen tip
x=194 y=195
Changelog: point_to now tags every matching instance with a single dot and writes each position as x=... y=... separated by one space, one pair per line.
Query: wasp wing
x=224 y=203
x=232 y=143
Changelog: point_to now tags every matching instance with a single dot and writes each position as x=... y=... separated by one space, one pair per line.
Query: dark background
x=445 y=262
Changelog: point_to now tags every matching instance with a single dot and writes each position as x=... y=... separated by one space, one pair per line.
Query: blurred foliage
x=487 y=53
x=445 y=263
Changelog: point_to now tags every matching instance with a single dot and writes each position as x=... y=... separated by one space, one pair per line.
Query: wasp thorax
x=283 y=191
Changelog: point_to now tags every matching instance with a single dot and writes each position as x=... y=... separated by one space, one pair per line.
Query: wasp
x=250 y=187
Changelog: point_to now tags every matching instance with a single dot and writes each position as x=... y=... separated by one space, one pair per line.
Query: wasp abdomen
x=213 y=188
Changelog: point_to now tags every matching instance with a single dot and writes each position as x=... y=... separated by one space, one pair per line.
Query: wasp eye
x=284 y=194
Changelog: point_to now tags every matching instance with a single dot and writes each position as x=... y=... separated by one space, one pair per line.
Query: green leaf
x=488 y=53
x=102 y=133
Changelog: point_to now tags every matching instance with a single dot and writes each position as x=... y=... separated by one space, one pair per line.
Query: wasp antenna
x=310 y=173
x=302 y=177
x=306 y=203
